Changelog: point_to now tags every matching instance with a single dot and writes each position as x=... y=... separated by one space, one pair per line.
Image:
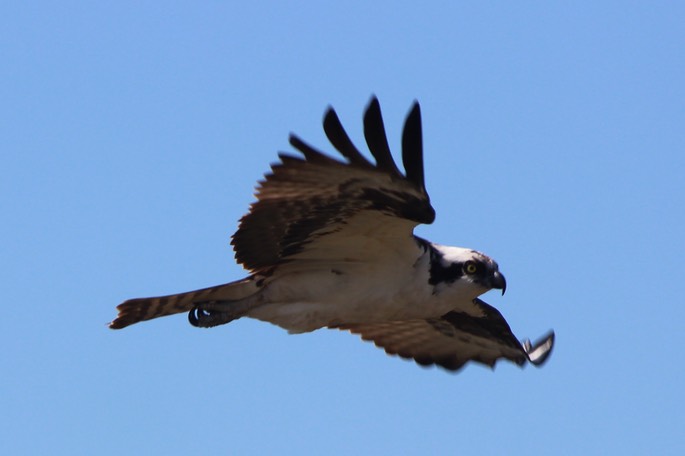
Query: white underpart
x=309 y=294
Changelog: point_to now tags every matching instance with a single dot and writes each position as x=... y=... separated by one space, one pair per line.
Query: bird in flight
x=329 y=243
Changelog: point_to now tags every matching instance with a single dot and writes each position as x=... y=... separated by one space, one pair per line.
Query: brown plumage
x=330 y=243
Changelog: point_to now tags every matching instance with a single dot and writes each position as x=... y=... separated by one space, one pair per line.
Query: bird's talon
x=201 y=317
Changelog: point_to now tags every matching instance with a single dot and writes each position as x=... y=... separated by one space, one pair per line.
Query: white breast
x=303 y=299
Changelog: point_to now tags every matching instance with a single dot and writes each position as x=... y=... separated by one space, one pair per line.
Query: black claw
x=192 y=318
x=199 y=318
x=202 y=318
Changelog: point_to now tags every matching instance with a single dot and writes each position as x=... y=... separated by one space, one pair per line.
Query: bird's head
x=470 y=271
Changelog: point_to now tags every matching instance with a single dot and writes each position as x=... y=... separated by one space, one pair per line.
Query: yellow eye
x=470 y=267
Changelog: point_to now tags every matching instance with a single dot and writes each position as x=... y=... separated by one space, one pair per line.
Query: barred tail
x=141 y=309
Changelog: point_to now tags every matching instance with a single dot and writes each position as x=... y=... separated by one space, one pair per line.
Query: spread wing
x=313 y=207
x=454 y=339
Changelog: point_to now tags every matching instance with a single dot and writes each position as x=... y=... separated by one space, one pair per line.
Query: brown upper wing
x=454 y=339
x=312 y=199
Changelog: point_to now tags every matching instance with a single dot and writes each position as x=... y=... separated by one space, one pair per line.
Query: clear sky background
x=131 y=137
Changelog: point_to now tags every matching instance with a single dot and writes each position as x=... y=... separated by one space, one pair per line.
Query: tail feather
x=141 y=309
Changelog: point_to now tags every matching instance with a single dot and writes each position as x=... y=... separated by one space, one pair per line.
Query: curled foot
x=208 y=315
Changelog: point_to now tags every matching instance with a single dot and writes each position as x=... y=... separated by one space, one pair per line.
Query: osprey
x=330 y=244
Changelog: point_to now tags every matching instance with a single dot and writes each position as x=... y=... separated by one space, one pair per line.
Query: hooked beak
x=498 y=281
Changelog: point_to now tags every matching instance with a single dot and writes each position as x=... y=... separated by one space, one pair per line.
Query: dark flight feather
x=454 y=339
x=304 y=198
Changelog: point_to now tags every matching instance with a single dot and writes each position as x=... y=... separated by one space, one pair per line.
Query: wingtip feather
x=539 y=352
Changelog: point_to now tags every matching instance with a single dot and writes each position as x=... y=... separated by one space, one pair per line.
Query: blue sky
x=132 y=135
